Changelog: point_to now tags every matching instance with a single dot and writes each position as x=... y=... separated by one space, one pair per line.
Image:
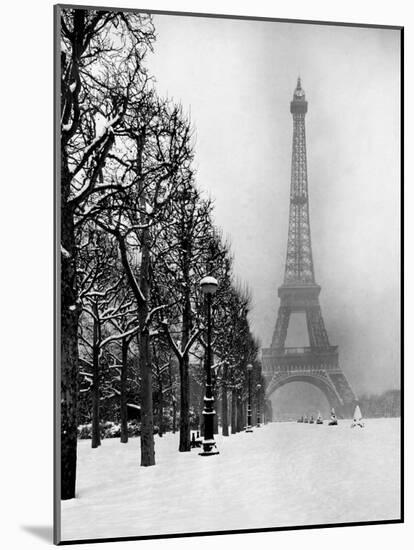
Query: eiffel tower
x=299 y=293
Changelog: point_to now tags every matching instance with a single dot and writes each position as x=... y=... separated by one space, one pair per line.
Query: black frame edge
x=230 y=16
x=56 y=277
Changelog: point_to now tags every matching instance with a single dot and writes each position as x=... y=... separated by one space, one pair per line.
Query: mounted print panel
x=228 y=316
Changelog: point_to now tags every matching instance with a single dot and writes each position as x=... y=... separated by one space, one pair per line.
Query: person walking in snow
x=334 y=420
x=357 y=421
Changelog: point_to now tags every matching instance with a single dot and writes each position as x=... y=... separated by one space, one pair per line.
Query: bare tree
x=107 y=308
x=93 y=103
x=151 y=158
x=182 y=250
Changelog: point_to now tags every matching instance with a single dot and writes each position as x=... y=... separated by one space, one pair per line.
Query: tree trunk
x=96 y=435
x=160 y=414
x=185 y=441
x=254 y=413
x=224 y=403
x=147 y=421
x=123 y=388
x=239 y=420
x=233 y=411
x=269 y=411
x=142 y=296
x=218 y=410
x=201 y=415
x=174 y=414
x=69 y=344
x=174 y=402
x=160 y=403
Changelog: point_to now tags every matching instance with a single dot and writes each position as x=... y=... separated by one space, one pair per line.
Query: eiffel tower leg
x=318 y=336
x=282 y=323
x=344 y=390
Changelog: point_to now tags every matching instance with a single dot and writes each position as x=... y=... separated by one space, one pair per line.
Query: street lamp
x=249 y=404
x=208 y=288
x=259 y=386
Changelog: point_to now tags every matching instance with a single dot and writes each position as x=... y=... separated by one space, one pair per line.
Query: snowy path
x=281 y=474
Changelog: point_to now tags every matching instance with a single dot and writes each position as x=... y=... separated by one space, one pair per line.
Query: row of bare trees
x=386 y=404
x=136 y=237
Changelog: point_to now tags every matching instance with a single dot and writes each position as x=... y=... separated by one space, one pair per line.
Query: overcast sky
x=237 y=79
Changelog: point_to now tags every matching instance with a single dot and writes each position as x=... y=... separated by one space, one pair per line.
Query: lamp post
x=259 y=386
x=249 y=403
x=208 y=287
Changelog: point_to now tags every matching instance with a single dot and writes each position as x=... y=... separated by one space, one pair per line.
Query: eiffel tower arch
x=318 y=363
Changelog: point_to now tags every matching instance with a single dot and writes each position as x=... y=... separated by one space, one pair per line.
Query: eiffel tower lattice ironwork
x=318 y=363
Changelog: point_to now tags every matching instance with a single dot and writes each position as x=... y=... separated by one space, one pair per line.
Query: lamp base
x=209 y=453
x=209 y=448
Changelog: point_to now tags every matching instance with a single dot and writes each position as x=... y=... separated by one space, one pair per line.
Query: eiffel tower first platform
x=318 y=363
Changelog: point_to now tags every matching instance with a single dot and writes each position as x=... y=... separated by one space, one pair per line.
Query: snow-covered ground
x=282 y=474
